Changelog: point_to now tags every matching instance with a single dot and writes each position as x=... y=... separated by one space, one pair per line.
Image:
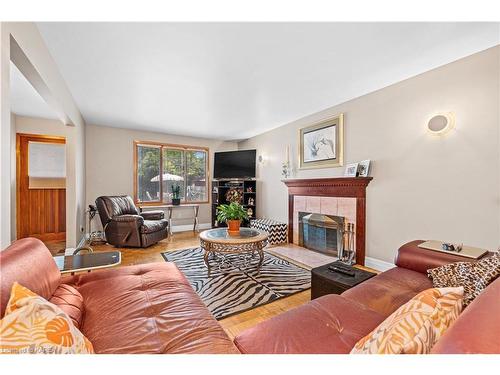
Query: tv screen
x=235 y=164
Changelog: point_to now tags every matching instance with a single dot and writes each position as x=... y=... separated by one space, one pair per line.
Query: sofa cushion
x=69 y=300
x=329 y=324
x=151 y=226
x=386 y=292
x=30 y=263
x=474 y=277
x=148 y=308
x=415 y=327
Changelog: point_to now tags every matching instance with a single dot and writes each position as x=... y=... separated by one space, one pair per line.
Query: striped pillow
x=32 y=325
x=416 y=326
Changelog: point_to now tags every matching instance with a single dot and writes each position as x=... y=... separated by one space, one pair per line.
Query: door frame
x=42 y=138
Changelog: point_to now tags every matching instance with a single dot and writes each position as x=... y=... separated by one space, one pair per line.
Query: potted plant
x=232 y=214
x=176 y=195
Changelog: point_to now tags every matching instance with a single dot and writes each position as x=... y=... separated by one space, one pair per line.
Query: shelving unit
x=219 y=191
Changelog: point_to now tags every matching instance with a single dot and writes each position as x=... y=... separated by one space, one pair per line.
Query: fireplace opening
x=322 y=233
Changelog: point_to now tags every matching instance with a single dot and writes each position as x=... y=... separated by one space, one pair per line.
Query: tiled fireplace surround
x=339 y=196
x=345 y=207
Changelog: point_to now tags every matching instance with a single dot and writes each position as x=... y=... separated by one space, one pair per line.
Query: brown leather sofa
x=147 y=308
x=126 y=226
x=334 y=323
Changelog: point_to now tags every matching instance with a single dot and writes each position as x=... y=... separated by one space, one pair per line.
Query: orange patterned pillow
x=33 y=325
x=415 y=327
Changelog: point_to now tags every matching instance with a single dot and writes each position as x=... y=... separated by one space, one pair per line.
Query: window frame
x=163 y=146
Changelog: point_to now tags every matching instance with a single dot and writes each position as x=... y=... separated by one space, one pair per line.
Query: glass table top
x=83 y=262
x=222 y=233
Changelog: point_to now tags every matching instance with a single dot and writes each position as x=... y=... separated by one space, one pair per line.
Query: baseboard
x=378 y=264
x=188 y=227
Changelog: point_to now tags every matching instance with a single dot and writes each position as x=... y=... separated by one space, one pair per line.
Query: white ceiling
x=236 y=80
x=25 y=100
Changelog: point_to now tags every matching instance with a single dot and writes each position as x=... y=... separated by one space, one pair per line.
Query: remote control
x=343 y=266
x=341 y=270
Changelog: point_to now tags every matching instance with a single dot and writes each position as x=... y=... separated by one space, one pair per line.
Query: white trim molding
x=378 y=264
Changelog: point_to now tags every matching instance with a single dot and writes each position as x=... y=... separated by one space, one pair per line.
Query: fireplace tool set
x=347 y=253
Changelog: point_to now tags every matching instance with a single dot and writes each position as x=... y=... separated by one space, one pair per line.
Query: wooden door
x=41 y=213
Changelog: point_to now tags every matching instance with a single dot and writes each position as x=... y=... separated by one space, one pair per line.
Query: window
x=161 y=167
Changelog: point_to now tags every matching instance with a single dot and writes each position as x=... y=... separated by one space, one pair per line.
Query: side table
x=87 y=262
x=324 y=281
x=170 y=207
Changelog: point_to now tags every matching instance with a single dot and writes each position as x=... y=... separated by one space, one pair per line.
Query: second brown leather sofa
x=334 y=323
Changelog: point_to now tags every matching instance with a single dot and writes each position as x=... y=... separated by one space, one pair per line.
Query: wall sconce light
x=262 y=159
x=441 y=124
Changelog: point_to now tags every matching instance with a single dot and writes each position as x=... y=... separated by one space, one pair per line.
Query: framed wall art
x=321 y=145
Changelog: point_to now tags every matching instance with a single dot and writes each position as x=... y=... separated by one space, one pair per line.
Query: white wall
x=22 y=42
x=424 y=187
x=110 y=164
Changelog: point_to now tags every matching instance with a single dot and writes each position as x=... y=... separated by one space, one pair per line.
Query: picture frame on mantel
x=321 y=145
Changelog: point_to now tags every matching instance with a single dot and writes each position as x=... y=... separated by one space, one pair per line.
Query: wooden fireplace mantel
x=351 y=187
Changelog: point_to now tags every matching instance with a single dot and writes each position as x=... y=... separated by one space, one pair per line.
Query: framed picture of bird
x=321 y=145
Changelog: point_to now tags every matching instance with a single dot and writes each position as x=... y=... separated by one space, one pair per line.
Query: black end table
x=325 y=281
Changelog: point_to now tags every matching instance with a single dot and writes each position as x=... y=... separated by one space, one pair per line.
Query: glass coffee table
x=87 y=262
x=219 y=243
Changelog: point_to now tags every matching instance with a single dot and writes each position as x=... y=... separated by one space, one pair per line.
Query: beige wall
x=423 y=186
x=22 y=43
x=110 y=163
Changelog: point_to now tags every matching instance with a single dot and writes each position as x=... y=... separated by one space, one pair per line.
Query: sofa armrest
x=153 y=215
x=139 y=220
x=414 y=258
x=477 y=328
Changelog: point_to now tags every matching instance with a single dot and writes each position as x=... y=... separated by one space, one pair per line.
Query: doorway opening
x=41 y=189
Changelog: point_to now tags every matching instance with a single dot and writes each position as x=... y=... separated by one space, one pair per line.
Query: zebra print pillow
x=473 y=277
x=416 y=326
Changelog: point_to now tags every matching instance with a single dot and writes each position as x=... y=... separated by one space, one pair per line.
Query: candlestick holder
x=285 y=169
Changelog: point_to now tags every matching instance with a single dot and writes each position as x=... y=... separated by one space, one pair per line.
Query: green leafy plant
x=176 y=191
x=232 y=211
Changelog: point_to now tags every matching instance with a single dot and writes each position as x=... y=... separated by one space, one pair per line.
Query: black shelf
x=219 y=190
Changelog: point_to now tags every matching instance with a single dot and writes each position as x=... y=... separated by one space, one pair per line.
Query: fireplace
x=338 y=196
x=322 y=233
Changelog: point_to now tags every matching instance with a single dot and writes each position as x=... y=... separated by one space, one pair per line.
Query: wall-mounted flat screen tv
x=234 y=164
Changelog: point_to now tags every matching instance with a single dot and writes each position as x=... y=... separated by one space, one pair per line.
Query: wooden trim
x=42 y=137
x=162 y=146
x=351 y=187
x=171 y=145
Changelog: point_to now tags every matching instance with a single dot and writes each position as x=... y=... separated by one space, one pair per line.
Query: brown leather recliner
x=126 y=226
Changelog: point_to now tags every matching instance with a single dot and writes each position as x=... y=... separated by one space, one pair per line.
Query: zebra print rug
x=239 y=288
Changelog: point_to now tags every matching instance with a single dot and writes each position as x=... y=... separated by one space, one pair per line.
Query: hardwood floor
x=56 y=247
x=233 y=325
